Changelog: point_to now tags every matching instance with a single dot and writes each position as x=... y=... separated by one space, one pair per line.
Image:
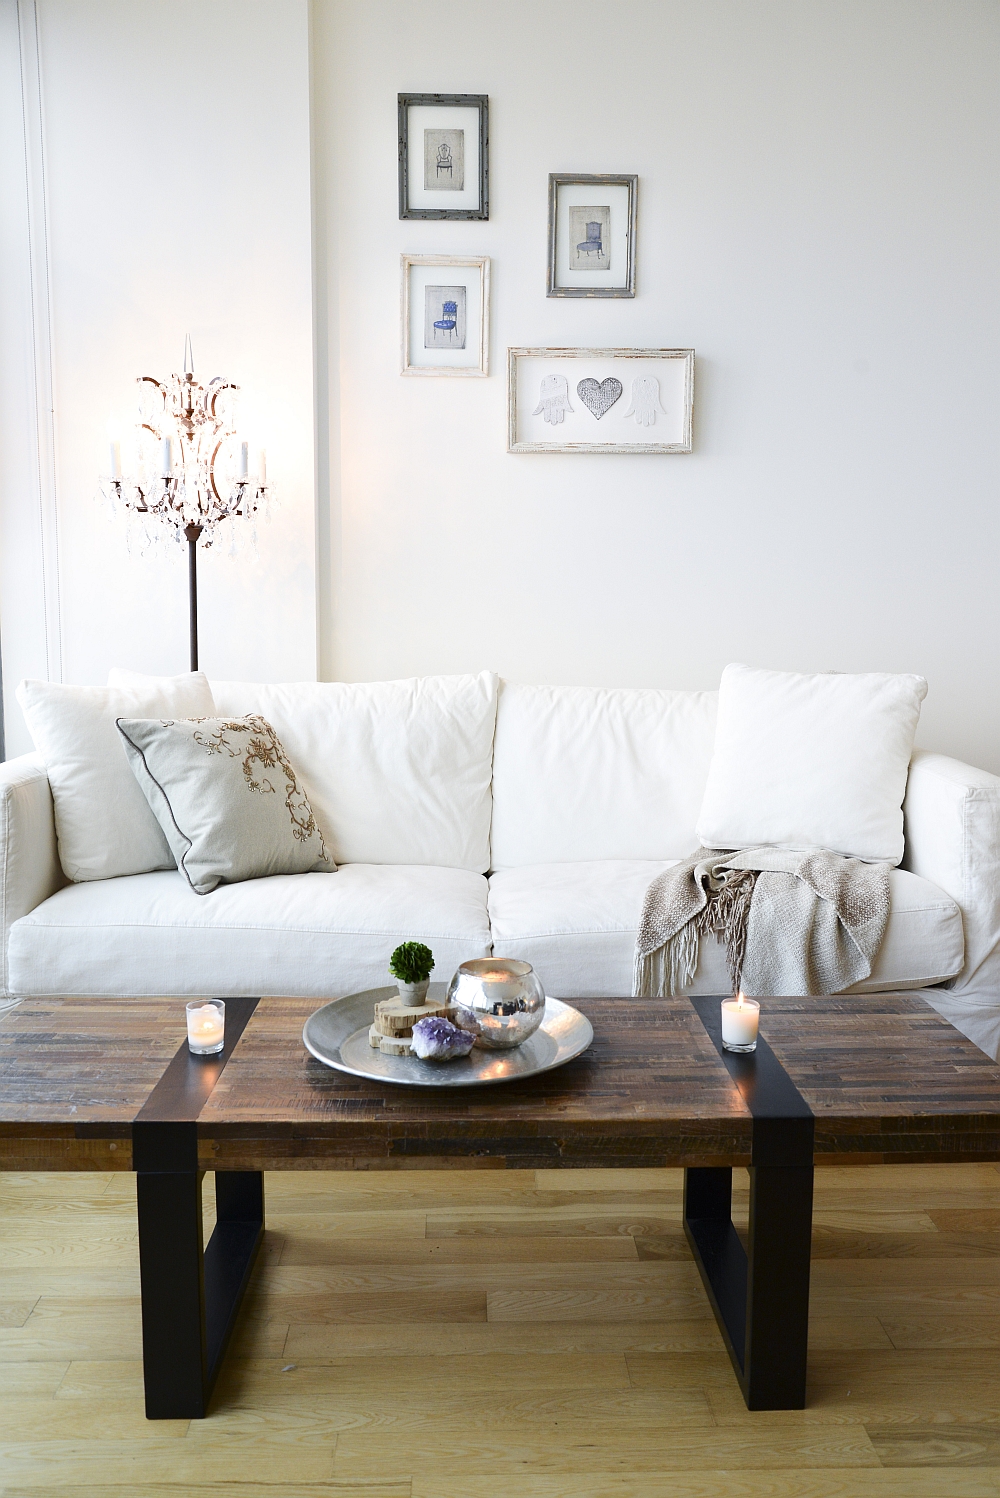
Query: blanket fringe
x=670 y=969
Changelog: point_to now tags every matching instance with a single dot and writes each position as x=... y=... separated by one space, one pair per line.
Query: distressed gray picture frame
x=558 y=180
x=563 y=354
x=458 y=101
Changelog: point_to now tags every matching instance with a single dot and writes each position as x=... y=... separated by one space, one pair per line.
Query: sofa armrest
x=29 y=859
x=951 y=820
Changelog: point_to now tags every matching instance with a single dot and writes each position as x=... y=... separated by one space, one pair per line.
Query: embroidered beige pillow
x=229 y=802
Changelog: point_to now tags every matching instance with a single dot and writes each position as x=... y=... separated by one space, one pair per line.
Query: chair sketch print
x=593 y=243
x=444 y=161
x=448 y=320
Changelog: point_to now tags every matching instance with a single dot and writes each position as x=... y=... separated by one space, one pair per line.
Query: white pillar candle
x=740 y=1017
x=206 y=1026
x=244 y=459
x=116 y=459
x=167 y=455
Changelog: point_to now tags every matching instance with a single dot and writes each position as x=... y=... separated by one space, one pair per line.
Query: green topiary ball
x=411 y=962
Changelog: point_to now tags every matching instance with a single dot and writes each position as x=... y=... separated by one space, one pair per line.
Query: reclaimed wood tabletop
x=887 y=1078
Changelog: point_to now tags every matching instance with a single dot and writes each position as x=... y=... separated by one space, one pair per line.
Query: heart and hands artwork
x=600 y=400
x=599 y=396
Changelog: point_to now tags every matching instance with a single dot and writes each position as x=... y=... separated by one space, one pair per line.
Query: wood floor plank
x=444 y=1374
x=331 y=1488
x=944 y=1331
x=410 y=1306
x=503 y=1452
x=109 y=1463
x=936 y=1446
x=301 y=1248
x=620 y=1304
x=854 y=1482
x=594 y=1178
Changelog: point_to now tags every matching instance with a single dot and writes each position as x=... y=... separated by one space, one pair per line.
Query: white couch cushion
x=396 y=771
x=811 y=761
x=584 y=773
x=576 y=924
x=315 y=935
x=104 y=825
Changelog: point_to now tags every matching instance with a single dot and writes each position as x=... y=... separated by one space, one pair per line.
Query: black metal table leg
x=760 y=1296
x=191 y=1294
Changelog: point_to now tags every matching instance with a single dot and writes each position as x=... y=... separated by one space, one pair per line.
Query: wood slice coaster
x=396 y=1017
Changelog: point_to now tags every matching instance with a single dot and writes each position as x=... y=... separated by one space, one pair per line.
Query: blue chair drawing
x=444 y=161
x=593 y=243
x=449 y=318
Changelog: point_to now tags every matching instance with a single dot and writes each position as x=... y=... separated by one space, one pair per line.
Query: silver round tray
x=337 y=1035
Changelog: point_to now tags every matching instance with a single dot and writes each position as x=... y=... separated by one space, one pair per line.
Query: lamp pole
x=192 y=532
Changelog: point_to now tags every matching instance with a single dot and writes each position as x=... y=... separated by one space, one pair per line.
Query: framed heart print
x=589 y=400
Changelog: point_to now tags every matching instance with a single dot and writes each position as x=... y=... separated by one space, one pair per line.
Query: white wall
x=818 y=217
x=176 y=187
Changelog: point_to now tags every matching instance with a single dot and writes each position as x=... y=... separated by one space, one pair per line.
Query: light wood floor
x=473 y=1334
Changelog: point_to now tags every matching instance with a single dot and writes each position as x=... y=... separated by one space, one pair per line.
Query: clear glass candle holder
x=206 y=1026
x=740 y=1018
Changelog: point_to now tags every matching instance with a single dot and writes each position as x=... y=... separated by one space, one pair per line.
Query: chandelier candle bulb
x=740 y=1019
x=116 y=459
x=206 y=1027
x=262 y=472
x=244 y=459
x=167 y=458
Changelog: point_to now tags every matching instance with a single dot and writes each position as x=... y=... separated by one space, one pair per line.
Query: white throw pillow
x=103 y=822
x=227 y=798
x=817 y=761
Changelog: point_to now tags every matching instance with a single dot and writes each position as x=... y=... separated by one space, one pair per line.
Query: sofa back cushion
x=104 y=826
x=814 y=760
x=396 y=771
x=583 y=773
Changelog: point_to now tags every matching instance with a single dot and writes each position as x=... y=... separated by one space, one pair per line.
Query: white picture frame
x=593 y=400
x=456 y=340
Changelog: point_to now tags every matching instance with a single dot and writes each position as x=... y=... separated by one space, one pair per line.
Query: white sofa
x=478 y=817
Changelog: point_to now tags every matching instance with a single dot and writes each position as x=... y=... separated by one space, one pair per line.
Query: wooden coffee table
x=109 y=1085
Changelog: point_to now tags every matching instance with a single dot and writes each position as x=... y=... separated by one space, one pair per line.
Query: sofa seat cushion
x=312 y=935
x=576 y=924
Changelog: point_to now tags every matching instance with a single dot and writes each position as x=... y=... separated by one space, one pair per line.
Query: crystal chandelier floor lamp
x=191 y=466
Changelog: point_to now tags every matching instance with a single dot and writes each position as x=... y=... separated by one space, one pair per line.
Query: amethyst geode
x=437 y=1039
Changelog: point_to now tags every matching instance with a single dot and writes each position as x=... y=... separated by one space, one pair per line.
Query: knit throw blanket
x=792 y=923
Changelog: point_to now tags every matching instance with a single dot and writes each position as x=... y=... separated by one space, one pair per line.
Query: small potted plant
x=411 y=965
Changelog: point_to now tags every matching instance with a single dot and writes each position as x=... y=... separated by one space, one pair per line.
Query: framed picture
x=444 y=156
x=445 y=314
x=599 y=400
x=592 y=235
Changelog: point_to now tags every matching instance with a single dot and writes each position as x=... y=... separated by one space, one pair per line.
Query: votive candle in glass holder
x=740 y=1018
x=206 y=1024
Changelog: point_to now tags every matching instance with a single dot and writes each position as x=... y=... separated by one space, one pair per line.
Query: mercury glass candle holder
x=503 y=995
